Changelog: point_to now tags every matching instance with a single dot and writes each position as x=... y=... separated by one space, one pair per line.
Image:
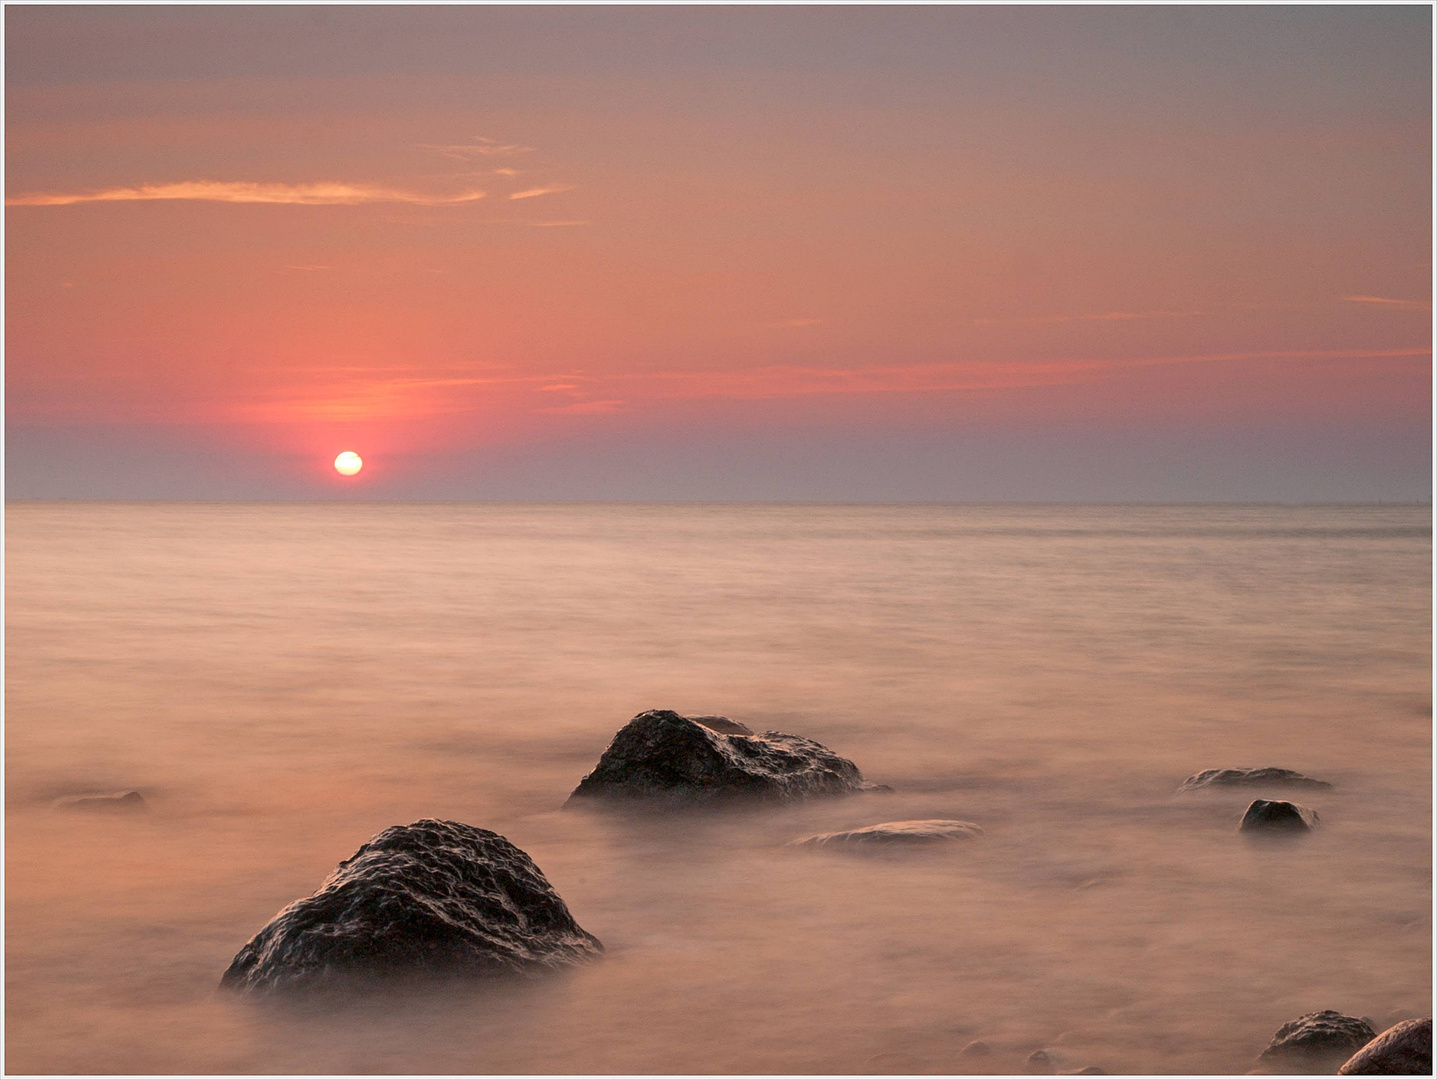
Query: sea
x=282 y=681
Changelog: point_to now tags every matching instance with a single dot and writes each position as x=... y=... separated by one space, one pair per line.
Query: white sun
x=348 y=463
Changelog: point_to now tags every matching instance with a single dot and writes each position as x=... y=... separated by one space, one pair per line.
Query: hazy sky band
x=442 y=232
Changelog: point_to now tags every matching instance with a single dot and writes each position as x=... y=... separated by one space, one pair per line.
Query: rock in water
x=119 y=802
x=662 y=753
x=722 y=724
x=1274 y=815
x=895 y=833
x=1404 y=1049
x=1317 y=1042
x=432 y=898
x=1211 y=778
x=1040 y=1063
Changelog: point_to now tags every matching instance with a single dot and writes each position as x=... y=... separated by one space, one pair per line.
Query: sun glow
x=348 y=463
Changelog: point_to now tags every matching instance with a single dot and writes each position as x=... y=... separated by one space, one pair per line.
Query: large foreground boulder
x=1276 y=816
x=895 y=834
x=1404 y=1049
x=1269 y=777
x=1316 y=1043
x=660 y=753
x=432 y=898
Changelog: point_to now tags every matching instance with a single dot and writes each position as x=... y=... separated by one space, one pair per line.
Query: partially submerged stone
x=119 y=802
x=1275 y=815
x=1040 y=1063
x=660 y=753
x=1317 y=1042
x=431 y=898
x=1268 y=777
x=1404 y=1049
x=895 y=833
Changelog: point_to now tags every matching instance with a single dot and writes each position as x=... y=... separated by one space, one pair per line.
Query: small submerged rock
x=1404 y=1049
x=1041 y=1063
x=1269 y=777
x=1317 y=1042
x=1274 y=815
x=119 y=802
x=892 y=1063
x=431 y=898
x=660 y=753
x=895 y=833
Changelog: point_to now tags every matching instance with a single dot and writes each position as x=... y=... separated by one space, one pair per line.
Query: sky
x=719 y=253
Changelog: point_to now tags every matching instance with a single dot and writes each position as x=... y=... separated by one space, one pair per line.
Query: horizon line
x=726 y=502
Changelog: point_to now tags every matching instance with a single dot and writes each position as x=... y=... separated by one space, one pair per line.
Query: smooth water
x=283 y=681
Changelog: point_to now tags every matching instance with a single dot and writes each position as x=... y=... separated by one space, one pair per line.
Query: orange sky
x=436 y=236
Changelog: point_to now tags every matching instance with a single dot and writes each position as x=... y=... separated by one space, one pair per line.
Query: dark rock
x=432 y=898
x=1402 y=1050
x=1317 y=1042
x=1211 y=778
x=722 y=724
x=1086 y=1070
x=976 y=1048
x=1041 y=1063
x=1274 y=815
x=120 y=802
x=895 y=833
x=660 y=753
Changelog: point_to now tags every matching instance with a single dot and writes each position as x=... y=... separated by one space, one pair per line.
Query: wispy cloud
x=586 y=408
x=369 y=394
x=317 y=194
x=480 y=147
x=777 y=381
x=1104 y=316
x=548 y=189
x=1396 y=305
x=1280 y=354
x=553 y=224
x=801 y=322
x=399 y=393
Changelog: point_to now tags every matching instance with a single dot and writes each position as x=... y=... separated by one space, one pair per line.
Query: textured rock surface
x=431 y=898
x=118 y=802
x=1274 y=815
x=1211 y=778
x=660 y=753
x=722 y=724
x=1317 y=1042
x=892 y=833
x=1404 y=1049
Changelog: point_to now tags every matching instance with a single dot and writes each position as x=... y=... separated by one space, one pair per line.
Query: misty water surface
x=283 y=681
